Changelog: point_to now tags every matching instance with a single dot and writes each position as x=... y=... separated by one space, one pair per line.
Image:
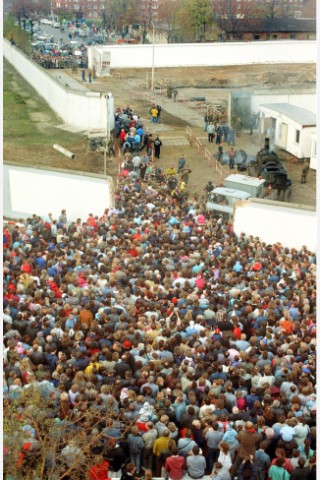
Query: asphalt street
x=59 y=37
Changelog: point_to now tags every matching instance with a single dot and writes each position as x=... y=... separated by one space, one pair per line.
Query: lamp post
x=152 y=71
x=108 y=130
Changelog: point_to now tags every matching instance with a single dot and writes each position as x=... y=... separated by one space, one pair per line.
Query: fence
x=207 y=155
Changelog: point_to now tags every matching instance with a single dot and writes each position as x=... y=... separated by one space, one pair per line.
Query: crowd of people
x=56 y=59
x=196 y=347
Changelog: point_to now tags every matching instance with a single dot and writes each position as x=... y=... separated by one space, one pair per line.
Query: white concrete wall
x=84 y=110
x=291 y=225
x=210 y=54
x=303 y=100
x=39 y=190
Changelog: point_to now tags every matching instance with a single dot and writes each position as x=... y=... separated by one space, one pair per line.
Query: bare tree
x=113 y=11
x=227 y=16
x=277 y=8
x=37 y=443
x=168 y=18
x=29 y=10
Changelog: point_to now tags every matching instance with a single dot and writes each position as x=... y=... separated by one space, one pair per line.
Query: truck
x=236 y=187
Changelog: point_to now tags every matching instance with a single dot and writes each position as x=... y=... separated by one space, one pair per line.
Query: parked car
x=48 y=47
x=56 y=25
x=38 y=45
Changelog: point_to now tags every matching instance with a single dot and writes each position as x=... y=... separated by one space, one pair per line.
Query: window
x=297 y=136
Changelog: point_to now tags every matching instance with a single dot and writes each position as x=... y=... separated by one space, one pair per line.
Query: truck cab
x=223 y=199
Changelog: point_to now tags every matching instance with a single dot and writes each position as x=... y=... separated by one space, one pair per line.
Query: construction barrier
x=199 y=145
x=208 y=156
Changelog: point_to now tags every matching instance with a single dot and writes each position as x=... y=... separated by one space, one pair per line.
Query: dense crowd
x=56 y=59
x=196 y=346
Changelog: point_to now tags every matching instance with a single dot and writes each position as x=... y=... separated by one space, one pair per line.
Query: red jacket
x=99 y=472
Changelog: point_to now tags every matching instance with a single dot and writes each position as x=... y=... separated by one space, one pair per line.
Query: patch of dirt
x=233 y=75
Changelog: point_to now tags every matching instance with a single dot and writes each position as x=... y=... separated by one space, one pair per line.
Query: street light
x=152 y=72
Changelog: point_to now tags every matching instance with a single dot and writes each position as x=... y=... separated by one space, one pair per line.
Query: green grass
x=18 y=126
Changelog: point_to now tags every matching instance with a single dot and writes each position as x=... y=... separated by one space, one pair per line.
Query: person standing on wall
x=157 y=146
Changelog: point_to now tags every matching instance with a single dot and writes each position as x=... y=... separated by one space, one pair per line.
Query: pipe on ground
x=64 y=151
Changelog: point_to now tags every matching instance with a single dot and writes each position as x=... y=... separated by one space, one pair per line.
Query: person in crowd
x=196 y=463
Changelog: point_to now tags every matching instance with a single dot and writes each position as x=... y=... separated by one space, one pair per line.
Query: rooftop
x=297 y=114
x=244 y=180
x=269 y=25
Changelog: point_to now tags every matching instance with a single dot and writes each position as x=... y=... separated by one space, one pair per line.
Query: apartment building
x=90 y=8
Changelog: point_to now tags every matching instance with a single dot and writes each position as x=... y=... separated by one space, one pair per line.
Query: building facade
x=91 y=9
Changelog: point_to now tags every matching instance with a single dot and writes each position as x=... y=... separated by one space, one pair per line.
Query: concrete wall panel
x=38 y=190
x=277 y=222
x=210 y=54
x=84 y=110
